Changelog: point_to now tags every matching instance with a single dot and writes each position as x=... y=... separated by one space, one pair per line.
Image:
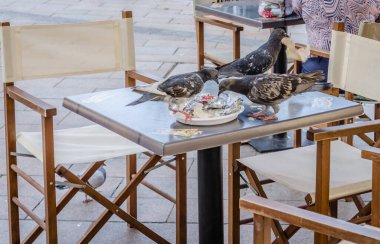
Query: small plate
x=209 y=120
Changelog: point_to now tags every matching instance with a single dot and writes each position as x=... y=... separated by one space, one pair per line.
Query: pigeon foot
x=87 y=200
x=268 y=117
x=257 y=115
x=187 y=115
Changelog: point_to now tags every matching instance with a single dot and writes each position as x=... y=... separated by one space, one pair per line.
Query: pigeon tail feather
x=321 y=86
x=144 y=98
x=312 y=77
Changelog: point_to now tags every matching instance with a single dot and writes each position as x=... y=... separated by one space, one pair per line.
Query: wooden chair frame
x=211 y=20
x=323 y=205
x=266 y=211
x=52 y=209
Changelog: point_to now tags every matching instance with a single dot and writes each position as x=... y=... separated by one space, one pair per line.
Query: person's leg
x=314 y=64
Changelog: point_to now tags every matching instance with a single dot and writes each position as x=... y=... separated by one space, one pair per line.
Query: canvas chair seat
x=81 y=145
x=349 y=173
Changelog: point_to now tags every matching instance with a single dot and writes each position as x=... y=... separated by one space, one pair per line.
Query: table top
x=149 y=124
x=246 y=12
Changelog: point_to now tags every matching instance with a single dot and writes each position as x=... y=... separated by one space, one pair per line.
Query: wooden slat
x=49 y=180
x=158 y=191
x=132 y=200
x=322 y=184
x=30 y=213
x=366 y=139
x=199 y=25
x=181 y=196
x=31 y=102
x=343 y=130
x=261 y=233
x=144 y=77
x=309 y=220
x=371 y=153
x=377 y=116
x=297 y=138
x=213 y=59
x=217 y=22
x=12 y=183
x=236 y=44
x=315 y=51
x=27 y=178
x=233 y=194
x=375 y=207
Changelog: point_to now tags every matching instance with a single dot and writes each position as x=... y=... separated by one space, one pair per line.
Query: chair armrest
x=31 y=101
x=310 y=220
x=343 y=130
x=315 y=51
x=144 y=77
x=371 y=153
x=218 y=22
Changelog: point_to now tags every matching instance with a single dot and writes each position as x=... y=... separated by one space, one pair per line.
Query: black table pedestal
x=210 y=195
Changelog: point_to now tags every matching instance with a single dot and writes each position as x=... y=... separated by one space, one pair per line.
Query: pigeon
x=271 y=89
x=258 y=61
x=178 y=86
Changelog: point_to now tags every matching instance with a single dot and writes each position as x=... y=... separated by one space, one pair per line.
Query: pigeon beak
x=221 y=91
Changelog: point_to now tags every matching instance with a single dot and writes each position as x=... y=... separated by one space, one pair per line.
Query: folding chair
x=200 y=20
x=43 y=51
x=266 y=211
x=366 y=29
x=307 y=169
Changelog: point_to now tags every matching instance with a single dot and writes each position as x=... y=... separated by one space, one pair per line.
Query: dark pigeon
x=183 y=85
x=258 y=61
x=271 y=89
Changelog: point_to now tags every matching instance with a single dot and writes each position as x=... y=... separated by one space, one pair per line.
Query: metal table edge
x=251 y=133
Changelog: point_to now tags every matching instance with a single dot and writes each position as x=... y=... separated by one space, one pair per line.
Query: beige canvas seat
x=201 y=19
x=81 y=145
x=331 y=169
x=45 y=51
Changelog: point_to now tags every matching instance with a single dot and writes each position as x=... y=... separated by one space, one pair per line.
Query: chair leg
x=132 y=200
x=236 y=44
x=233 y=194
x=10 y=135
x=261 y=233
x=276 y=226
x=201 y=42
x=181 y=200
x=49 y=181
x=334 y=209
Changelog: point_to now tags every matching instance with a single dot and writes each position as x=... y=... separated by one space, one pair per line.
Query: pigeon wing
x=182 y=86
x=270 y=88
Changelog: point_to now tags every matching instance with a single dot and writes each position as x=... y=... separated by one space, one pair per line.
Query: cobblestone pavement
x=165 y=45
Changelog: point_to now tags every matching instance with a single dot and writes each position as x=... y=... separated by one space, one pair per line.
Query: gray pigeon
x=258 y=61
x=271 y=89
x=183 y=85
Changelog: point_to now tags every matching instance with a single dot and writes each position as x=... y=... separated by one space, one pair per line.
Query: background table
x=148 y=124
x=246 y=12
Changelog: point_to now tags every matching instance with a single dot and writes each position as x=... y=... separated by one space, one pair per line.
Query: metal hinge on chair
x=249 y=185
x=160 y=165
x=16 y=154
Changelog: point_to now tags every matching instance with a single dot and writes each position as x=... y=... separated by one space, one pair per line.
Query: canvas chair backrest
x=354 y=64
x=45 y=51
x=370 y=30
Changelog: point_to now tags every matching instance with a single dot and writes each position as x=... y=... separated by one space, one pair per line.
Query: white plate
x=209 y=121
